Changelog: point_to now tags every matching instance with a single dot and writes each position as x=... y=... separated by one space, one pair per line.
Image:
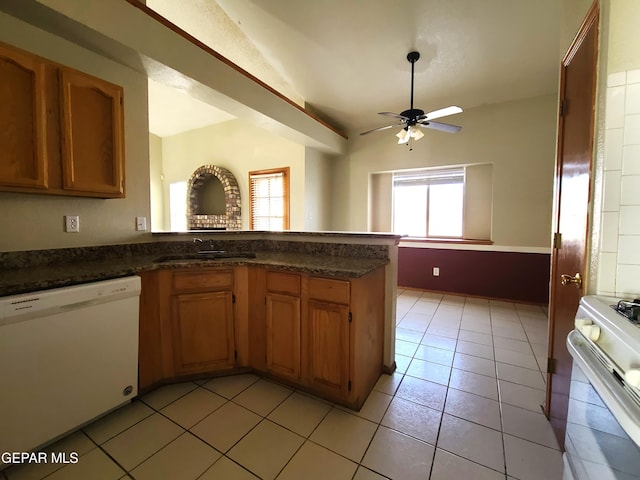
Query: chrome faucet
x=200 y=241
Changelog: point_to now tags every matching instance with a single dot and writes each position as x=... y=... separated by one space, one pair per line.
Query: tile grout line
x=495 y=366
x=444 y=406
x=188 y=430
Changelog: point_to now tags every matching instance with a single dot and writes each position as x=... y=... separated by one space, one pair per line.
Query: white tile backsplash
x=632 y=99
x=614 y=116
x=612 y=185
x=628 y=280
x=617 y=79
x=613 y=149
x=619 y=248
x=607 y=272
x=609 y=240
x=630 y=190
x=629 y=224
x=629 y=250
x=631 y=160
x=633 y=76
x=632 y=129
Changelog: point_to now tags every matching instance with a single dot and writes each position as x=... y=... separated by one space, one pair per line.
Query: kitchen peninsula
x=313 y=310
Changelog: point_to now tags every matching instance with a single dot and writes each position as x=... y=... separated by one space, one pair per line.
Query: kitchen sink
x=205 y=255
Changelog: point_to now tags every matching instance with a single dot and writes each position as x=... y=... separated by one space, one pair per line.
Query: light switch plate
x=141 y=224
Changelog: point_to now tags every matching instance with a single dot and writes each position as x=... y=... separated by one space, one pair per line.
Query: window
x=269 y=199
x=429 y=203
x=178 y=206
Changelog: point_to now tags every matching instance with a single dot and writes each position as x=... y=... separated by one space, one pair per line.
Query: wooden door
x=92 y=135
x=202 y=328
x=328 y=348
x=283 y=335
x=575 y=147
x=23 y=159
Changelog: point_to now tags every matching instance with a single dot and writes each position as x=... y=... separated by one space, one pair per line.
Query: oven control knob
x=581 y=322
x=632 y=377
x=592 y=332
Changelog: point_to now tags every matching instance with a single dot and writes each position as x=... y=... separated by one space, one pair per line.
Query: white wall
x=318 y=191
x=240 y=148
x=156 y=184
x=518 y=138
x=31 y=221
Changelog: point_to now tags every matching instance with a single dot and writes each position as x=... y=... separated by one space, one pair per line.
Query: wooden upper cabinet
x=61 y=130
x=92 y=134
x=23 y=160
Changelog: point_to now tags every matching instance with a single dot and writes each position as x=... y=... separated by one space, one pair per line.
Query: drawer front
x=329 y=290
x=280 y=282
x=203 y=280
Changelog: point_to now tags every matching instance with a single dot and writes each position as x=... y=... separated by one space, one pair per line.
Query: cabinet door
x=202 y=327
x=283 y=335
x=328 y=347
x=92 y=135
x=23 y=161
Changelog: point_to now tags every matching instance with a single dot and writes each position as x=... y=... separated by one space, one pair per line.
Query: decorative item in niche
x=207 y=209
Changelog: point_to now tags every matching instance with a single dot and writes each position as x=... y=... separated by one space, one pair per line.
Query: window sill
x=454 y=241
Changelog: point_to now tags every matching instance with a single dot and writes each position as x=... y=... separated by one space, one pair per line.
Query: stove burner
x=629 y=309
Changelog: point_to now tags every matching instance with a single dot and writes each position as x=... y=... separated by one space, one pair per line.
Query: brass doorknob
x=568 y=279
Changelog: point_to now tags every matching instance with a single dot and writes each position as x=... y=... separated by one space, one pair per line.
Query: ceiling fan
x=413 y=118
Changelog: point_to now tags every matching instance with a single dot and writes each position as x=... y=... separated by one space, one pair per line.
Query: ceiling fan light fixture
x=415 y=132
x=403 y=136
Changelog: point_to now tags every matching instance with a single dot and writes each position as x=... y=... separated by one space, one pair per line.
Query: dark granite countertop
x=34 y=278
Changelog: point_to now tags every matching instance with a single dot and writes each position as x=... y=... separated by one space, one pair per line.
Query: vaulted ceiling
x=347 y=59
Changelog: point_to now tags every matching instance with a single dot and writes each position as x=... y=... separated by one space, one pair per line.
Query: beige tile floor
x=464 y=403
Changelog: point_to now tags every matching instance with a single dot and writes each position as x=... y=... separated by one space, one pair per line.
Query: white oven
x=603 y=422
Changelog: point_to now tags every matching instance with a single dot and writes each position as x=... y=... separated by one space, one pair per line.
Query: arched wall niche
x=231 y=219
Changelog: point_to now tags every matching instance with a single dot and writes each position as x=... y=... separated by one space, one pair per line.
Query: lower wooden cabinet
x=202 y=332
x=323 y=335
x=187 y=324
x=283 y=335
x=319 y=334
x=328 y=348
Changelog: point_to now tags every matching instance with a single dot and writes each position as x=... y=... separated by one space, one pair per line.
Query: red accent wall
x=515 y=276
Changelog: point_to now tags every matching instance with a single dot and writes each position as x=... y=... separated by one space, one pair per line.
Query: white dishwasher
x=67 y=356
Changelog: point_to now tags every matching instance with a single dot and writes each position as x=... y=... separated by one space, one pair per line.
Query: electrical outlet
x=141 y=223
x=436 y=271
x=72 y=223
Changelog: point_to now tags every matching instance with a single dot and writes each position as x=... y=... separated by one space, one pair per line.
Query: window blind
x=440 y=176
x=268 y=201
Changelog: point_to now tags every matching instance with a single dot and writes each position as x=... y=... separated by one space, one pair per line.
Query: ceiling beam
x=126 y=32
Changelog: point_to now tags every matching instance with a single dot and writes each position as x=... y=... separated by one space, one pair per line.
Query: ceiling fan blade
x=443 y=127
x=443 y=112
x=394 y=115
x=382 y=128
